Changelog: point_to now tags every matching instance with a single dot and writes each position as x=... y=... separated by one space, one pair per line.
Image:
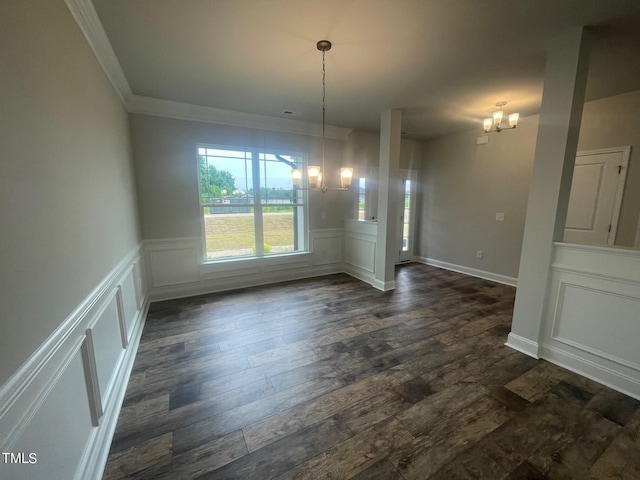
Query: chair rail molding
x=65 y=400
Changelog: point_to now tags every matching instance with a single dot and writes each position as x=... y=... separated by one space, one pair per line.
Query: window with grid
x=249 y=205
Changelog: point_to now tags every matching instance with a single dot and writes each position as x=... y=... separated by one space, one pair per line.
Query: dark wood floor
x=330 y=378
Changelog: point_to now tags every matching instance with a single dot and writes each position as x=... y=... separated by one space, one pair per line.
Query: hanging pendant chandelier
x=315 y=173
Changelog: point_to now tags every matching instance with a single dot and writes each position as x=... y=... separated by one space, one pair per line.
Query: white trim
x=384 y=286
x=87 y=19
x=556 y=318
x=474 y=272
x=595 y=371
x=91 y=378
x=523 y=345
x=15 y=386
x=623 y=251
x=95 y=456
x=28 y=389
x=185 y=111
x=85 y=15
x=363 y=276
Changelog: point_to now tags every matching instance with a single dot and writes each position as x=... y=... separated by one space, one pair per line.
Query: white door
x=596 y=196
x=406 y=218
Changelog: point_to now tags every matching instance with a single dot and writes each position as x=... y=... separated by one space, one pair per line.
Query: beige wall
x=166 y=165
x=463 y=186
x=615 y=122
x=68 y=211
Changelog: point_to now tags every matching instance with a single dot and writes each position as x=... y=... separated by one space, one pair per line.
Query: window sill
x=247 y=262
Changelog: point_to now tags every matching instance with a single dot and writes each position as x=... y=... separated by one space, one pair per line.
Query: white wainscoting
x=63 y=403
x=592 y=317
x=175 y=270
x=360 y=239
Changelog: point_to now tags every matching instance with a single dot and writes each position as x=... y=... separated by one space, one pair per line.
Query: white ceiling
x=445 y=63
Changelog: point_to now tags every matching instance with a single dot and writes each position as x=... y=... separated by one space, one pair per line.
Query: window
x=406 y=215
x=248 y=202
x=362 y=212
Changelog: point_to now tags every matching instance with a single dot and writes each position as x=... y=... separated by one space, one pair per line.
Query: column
x=388 y=196
x=560 y=114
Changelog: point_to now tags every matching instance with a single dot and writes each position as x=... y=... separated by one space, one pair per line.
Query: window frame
x=302 y=203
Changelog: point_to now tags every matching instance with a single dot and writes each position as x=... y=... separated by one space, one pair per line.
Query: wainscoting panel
x=59 y=428
x=170 y=279
x=592 y=320
x=107 y=344
x=174 y=266
x=62 y=405
x=128 y=303
x=326 y=246
x=360 y=239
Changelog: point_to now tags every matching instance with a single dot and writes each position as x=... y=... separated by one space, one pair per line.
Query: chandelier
x=315 y=173
x=494 y=124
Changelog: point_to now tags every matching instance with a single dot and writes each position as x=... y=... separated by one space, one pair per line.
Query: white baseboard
x=175 y=268
x=611 y=376
x=172 y=292
x=523 y=345
x=474 y=272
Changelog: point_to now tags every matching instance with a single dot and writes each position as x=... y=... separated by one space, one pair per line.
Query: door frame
x=411 y=175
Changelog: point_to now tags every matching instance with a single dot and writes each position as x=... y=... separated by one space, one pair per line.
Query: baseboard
x=609 y=377
x=523 y=345
x=175 y=269
x=474 y=272
x=172 y=292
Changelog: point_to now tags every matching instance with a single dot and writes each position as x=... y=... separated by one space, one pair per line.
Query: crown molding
x=185 y=111
x=87 y=19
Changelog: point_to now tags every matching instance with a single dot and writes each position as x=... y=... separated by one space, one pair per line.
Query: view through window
x=249 y=204
x=362 y=215
x=406 y=216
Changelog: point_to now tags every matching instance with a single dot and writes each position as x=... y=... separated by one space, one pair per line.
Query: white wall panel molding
x=172 y=277
x=592 y=320
x=611 y=263
x=360 y=243
x=360 y=252
x=598 y=320
x=326 y=245
x=91 y=378
x=474 y=272
x=68 y=393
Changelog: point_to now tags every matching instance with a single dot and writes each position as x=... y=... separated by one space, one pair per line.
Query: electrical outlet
x=479 y=254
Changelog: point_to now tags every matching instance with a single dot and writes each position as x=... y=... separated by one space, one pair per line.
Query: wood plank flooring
x=330 y=378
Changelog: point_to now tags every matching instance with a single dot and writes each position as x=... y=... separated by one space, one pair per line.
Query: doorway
x=406 y=216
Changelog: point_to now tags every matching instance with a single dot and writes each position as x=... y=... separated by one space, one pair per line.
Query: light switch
x=500 y=217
